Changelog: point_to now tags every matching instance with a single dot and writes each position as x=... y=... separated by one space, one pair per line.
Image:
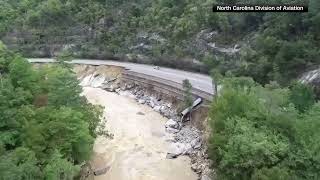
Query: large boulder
x=172 y=130
x=157 y=108
x=196 y=143
x=97 y=81
x=141 y=101
x=205 y=177
x=175 y=150
x=110 y=87
x=101 y=171
x=151 y=103
x=172 y=124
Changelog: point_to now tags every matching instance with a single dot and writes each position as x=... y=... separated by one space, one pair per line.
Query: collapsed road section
x=165 y=80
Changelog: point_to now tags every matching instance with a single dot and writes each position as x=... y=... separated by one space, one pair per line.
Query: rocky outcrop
x=312 y=78
x=172 y=124
x=206 y=42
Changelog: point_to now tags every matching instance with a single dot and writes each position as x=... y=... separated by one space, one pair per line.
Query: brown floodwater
x=138 y=149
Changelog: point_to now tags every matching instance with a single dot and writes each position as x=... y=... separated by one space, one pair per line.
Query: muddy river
x=138 y=149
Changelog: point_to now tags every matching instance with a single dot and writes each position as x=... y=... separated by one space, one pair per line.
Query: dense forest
x=265 y=125
x=47 y=129
x=182 y=34
x=265 y=132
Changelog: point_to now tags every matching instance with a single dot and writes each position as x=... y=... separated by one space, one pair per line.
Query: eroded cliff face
x=98 y=76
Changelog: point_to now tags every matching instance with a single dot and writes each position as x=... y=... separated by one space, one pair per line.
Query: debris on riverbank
x=184 y=138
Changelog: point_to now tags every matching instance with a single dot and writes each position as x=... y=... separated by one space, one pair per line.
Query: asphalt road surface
x=198 y=81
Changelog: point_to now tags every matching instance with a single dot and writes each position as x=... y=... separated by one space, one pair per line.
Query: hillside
x=180 y=34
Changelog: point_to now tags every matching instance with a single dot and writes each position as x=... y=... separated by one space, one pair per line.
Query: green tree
x=302 y=96
x=59 y=168
x=188 y=99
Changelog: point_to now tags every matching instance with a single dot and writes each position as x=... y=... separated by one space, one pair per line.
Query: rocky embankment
x=184 y=139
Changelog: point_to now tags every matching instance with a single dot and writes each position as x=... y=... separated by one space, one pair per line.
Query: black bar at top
x=259 y=8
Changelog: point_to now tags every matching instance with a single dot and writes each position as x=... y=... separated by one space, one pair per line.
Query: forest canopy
x=47 y=129
x=265 y=132
x=274 y=46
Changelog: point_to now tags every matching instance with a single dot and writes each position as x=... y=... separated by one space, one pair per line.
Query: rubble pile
x=184 y=139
